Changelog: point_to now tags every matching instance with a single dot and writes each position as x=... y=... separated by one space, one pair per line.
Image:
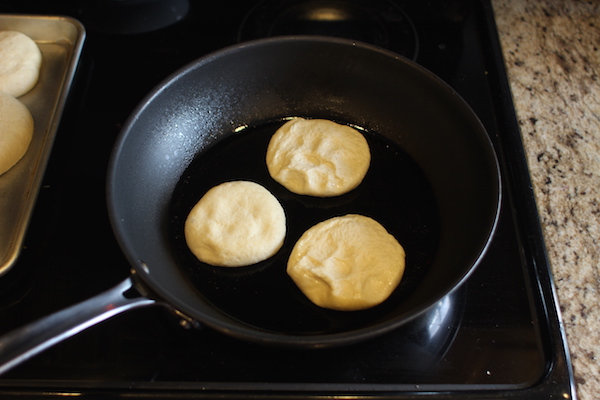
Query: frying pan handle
x=25 y=342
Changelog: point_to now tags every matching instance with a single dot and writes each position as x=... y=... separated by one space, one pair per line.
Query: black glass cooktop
x=497 y=336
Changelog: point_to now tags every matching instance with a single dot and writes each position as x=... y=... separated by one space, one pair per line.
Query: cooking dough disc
x=16 y=131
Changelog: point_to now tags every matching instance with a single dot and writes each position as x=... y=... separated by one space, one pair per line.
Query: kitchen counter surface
x=552 y=52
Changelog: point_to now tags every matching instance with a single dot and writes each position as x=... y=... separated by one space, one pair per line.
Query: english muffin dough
x=20 y=63
x=16 y=131
x=235 y=224
x=347 y=263
x=318 y=157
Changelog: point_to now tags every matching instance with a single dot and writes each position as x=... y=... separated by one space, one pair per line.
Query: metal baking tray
x=60 y=40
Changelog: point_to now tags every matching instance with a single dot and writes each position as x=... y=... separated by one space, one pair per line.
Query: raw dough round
x=318 y=157
x=347 y=263
x=20 y=63
x=235 y=224
x=16 y=131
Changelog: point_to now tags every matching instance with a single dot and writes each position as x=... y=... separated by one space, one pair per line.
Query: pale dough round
x=20 y=63
x=16 y=131
x=318 y=157
x=235 y=224
x=347 y=263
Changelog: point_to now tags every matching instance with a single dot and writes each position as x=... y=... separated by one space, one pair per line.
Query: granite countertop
x=552 y=53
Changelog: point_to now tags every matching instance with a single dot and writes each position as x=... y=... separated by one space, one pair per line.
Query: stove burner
x=376 y=22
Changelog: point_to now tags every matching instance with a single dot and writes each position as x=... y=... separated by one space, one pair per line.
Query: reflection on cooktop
x=378 y=22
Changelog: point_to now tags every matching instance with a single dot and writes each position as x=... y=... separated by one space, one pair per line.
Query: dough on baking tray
x=235 y=224
x=16 y=131
x=347 y=263
x=318 y=157
x=20 y=63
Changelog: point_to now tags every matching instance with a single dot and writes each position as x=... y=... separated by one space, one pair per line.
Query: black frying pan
x=433 y=183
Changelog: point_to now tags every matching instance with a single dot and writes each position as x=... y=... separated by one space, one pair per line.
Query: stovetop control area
x=497 y=336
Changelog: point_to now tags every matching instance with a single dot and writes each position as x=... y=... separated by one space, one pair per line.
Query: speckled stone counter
x=552 y=52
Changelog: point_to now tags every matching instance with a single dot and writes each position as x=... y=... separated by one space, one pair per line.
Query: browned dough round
x=318 y=157
x=235 y=224
x=347 y=263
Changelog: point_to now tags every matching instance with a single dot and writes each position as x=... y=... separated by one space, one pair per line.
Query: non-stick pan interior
x=433 y=181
